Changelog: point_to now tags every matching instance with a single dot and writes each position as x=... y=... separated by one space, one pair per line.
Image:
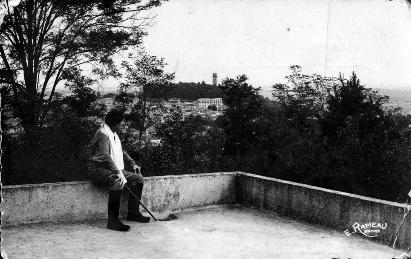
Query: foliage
x=189 y=145
x=212 y=107
x=191 y=91
x=352 y=101
x=45 y=43
x=63 y=149
x=146 y=83
x=243 y=104
x=304 y=98
x=328 y=132
x=62 y=155
x=342 y=138
x=83 y=100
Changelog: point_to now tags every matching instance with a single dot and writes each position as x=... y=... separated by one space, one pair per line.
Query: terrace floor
x=212 y=232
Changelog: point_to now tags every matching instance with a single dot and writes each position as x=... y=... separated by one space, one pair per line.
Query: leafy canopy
x=44 y=43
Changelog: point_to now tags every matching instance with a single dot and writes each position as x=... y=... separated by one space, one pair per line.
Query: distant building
x=203 y=103
x=155 y=142
x=108 y=101
x=214 y=79
x=189 y=106
x=174 y=101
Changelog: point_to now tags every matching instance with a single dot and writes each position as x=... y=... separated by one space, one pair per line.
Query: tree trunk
x=32 y=130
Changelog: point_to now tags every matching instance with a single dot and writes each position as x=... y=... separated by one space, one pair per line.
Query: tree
x=149 y=82
x=352 y=101
x=243 y=106
x=45 y=42
x=338 y=134
x=367 y=141
x=83 y=100
x=304 y=97
x=188 y=145
x=124 y=98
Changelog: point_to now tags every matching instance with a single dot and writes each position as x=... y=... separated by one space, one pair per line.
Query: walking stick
x=168 y=218
x=144 y=207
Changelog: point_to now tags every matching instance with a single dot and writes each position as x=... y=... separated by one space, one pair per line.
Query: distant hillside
x=192 y=91
x=108 y=95
x=183 y=90
x=399 y=97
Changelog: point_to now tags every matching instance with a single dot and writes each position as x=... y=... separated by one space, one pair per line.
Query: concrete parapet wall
x=68 y=201
x=179 y=192
x=72 y=201
x=328 y=208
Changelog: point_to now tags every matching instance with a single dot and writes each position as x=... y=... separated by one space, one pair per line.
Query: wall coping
x=5 y=187
x=356 y=196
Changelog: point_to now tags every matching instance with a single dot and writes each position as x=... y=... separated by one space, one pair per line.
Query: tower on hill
x=215 y=79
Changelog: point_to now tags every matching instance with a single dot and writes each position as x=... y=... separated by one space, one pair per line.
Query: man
x=106 y=169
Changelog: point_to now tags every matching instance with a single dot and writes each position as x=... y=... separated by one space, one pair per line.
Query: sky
x=262 y=38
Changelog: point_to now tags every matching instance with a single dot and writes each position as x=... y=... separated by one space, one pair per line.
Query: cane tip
x=172 y=216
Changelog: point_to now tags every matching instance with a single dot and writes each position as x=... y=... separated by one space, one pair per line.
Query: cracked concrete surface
x=213 y=232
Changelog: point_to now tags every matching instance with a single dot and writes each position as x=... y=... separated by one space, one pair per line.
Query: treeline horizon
x=183 y=90
x=194 y=90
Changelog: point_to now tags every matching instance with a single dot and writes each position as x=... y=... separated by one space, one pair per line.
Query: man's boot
x=133 y=213
x=113 y=221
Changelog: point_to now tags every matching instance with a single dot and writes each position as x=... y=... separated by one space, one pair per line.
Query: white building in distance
x=203 y=103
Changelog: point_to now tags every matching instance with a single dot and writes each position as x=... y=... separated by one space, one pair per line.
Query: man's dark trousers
x=103 y=177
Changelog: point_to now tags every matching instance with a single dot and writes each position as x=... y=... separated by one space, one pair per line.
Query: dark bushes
x=328 y=132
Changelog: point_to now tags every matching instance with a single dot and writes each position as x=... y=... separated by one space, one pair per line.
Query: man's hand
x=121 y=178
x=136 y=167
